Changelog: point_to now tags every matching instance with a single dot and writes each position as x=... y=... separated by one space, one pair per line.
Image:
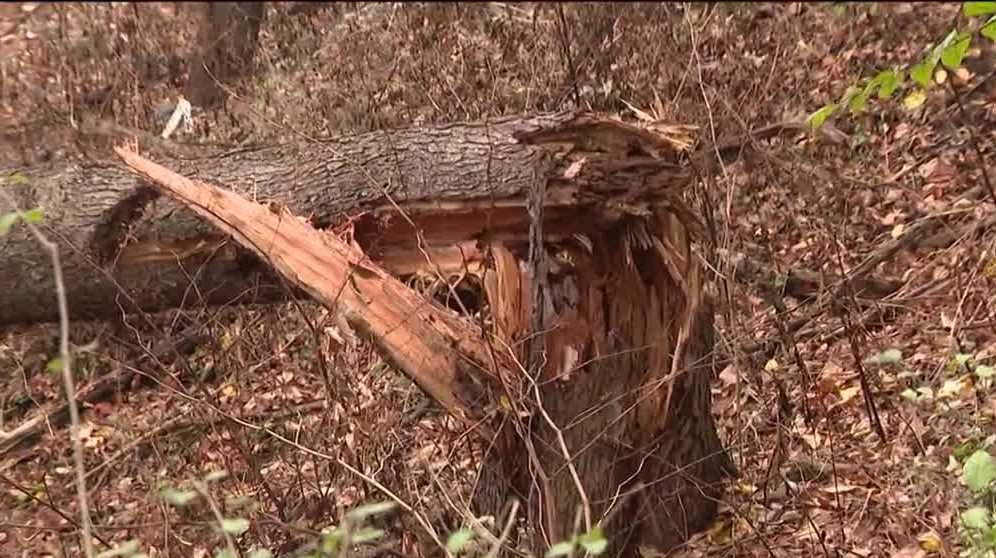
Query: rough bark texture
x=229 y=37
x=625 y=390
x=614 y=419
x=125 y=248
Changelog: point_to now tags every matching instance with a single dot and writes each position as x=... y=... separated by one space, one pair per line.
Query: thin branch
x=67 y=378
x=203 y=489
x=496 y=545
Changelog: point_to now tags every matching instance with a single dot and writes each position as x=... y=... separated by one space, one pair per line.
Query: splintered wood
x=419 y=338
x=623 y=326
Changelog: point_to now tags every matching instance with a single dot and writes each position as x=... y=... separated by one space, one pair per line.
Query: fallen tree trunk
x=126 y=249
x=613 y=420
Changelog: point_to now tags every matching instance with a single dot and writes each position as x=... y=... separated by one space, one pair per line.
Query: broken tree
x=591 y=374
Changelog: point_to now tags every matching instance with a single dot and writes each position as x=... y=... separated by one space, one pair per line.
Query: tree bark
x=614 y=418
x=229 y=38
x=125 y=248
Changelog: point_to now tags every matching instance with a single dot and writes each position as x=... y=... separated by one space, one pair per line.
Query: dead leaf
x=839 y=488
x=912 y=551
x=730 y=375
x=890 y=217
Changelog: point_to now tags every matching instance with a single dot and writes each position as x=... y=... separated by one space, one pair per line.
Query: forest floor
x=819 y=476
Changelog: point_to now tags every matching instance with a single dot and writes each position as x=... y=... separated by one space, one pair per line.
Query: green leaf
x=36 y=215
x=984 y=371
x=989 y=29
x=953 y=54
x=949 y=39
x=963 y=450
x=560 y=549
x=888 y=81
x=594 y=541
x=458 y=540
x=367 y=534
x=917 y=394
x=888 y=356
x=961 y=359
x=817 y=119
x=849 y=94
x=235 y=525
x=988 y=539
x=126 y=549
x=975 y=518
x=216 y=475
x=858 y=102
x=54 y=366
x=330 y=540
x=973 y=9
x=7 y=221
x=225 y=553
x=979 y=471
x=922 y=72
x=260 y=553
x=367 y=510
x=178 y=498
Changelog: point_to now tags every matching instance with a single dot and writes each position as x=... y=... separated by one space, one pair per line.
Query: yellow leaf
x=847 y=394
x=915 y=99
x=930 y=541
x=771 y=365
x=721 y=532
x=897 y=231
x=745 y=488
x=228 y=390
x=955 y=387
x=990 y=269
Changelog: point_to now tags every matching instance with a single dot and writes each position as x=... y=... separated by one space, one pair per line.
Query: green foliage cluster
x=950 y=53
x=978 y=522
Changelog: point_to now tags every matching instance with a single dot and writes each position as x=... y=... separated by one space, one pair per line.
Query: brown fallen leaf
x=912 y=551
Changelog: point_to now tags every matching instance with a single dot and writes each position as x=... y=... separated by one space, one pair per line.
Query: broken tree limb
x=617 y=415
x=126 y=249
x=417 y=337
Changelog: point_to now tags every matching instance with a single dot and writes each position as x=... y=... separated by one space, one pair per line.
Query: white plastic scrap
x=180 y=114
